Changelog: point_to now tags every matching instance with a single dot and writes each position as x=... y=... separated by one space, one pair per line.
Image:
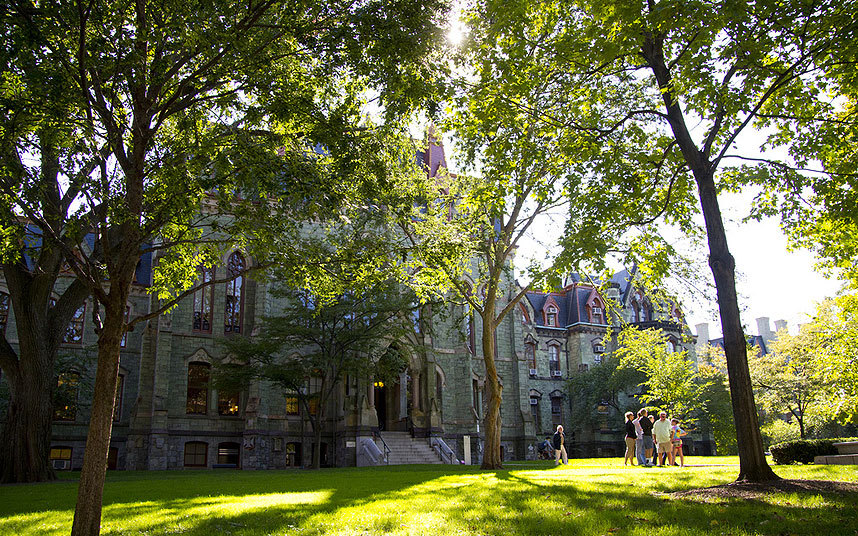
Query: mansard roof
x=571 y=305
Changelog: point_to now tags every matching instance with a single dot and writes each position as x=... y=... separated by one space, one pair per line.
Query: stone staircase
x=848 y=455
x=405 y=449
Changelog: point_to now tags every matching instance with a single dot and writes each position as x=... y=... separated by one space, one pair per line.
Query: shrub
x=778 y=432
x=804 y=450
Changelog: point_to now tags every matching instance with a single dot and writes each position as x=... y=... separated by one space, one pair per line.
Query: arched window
x=671 y=346
x=196 y=454
x=554 y=360
x=646 y=310
x=234 y=293
x=203 y=298
x=525 y=319
x=534 y=412
x=74 y=331
x=530 y=355
x=551 y=316
x=198 y=388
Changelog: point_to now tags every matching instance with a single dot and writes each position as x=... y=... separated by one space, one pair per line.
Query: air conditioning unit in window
x=61 y=465
x=533 y=372
x=556 y=373
x=599 y=348
x=534 y=401
x=597 y=311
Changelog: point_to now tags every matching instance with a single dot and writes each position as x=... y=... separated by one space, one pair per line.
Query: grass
x=588 y=497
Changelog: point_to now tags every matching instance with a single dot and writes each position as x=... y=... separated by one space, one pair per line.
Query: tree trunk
x=317 y=440
x=26 y=441
x=492 y=422
x=752 y=461
x=87 y=515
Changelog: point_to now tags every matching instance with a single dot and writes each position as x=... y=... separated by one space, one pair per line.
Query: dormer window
x=551 y=316
x=597 y=313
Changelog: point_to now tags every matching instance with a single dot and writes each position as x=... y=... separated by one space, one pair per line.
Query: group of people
x=645 y=434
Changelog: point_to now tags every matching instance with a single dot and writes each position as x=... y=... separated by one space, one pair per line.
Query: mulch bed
x=756 y=490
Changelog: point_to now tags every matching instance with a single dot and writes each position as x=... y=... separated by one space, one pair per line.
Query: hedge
x=805 y=450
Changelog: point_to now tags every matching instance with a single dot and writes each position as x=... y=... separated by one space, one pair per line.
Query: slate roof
x=572 y=301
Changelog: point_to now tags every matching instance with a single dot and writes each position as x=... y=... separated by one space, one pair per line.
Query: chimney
x=781 y=325
x=702 y=334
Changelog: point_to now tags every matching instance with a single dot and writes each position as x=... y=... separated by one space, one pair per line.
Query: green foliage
x=804 y=450
x=716 y=412
x=328 y=340
x=788 y=379
x=779 y=431
x=606 y=384
x=813 y=375
x=671 y=381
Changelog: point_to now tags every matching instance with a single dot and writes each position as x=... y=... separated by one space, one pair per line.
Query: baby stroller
x=545 y=450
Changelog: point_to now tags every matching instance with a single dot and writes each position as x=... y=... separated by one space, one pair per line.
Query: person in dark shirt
x=558 y=442
x=631 y=437
x=646 y=436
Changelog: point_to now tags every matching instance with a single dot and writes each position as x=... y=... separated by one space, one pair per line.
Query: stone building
x=169 y=415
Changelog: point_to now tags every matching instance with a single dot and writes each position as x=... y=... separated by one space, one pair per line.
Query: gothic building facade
x=169 y=414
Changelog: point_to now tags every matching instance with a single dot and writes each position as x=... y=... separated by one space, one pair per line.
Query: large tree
x=524 y=169
x=675 y=84
x=247 y=106
x=38 y=150
x=311 y=345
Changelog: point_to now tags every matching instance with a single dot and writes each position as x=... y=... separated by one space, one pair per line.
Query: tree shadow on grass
x=436 y=500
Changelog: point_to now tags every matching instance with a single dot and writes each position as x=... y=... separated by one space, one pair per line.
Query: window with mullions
x=198 y=388
x=227 y=402
x=530 y=355
x=556 y=411
x=554 y=359
x=203 y=299
x=234 y=293
x=65 y=397
x=196 y=454
x=292 y=407
x=597 y=313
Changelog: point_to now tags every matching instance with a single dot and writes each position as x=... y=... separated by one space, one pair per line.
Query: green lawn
x=595 y=496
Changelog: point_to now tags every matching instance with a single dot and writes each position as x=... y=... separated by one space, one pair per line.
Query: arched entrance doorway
x=394 y=392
